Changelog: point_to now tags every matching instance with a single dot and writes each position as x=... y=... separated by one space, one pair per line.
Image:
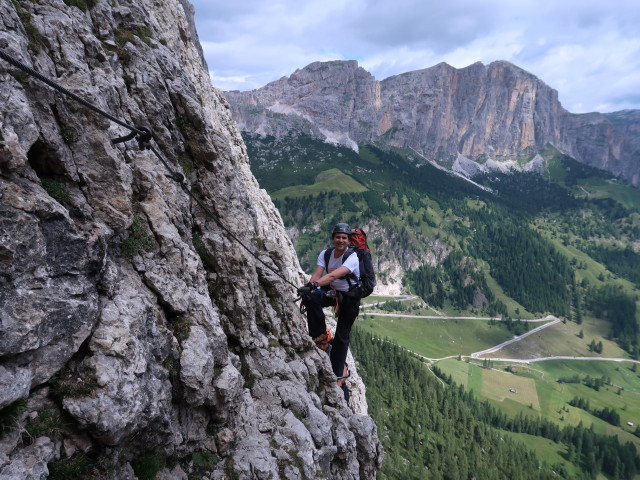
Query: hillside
x=442 y=427
x=549 y=372
x=559 y=241
x=522 y=245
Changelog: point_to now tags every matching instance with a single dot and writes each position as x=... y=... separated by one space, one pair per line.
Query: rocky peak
x=333 y=72
x=320 y=99
x=496 y=111
x=135 y=330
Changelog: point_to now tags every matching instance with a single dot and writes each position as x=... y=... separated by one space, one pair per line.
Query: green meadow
x=600 y=188
x=552 y=452
x=534 y=389
x=436 y=338
x=564 y=339
x=377 y=299
x=332 y=180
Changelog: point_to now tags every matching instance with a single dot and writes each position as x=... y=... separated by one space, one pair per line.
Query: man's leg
x=347 y=313
x=316 y=319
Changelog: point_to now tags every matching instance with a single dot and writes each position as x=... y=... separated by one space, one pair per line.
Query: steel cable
x=145 y=136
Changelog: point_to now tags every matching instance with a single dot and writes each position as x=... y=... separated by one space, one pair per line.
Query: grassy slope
x=539 y=393
x=589 y=182
x=332 y=180
x=436 y=338
x=563 y=339
x=599 y=188
x=552 y=452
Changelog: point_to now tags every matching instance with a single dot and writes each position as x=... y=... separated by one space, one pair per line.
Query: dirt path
x=397 y=298
x=550 y=319
x=477 y=355
x=554 y=321
x=447 y=317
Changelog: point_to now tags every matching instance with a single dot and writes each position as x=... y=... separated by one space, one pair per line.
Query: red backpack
x=367 y=273
x=359 y=239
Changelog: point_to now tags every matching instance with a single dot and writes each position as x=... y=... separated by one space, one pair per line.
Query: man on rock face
x=339 y=287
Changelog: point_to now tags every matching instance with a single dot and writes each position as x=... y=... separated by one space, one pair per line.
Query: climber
x=339 y=287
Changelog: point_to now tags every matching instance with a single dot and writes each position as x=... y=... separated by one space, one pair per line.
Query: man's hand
x=305 y=289
x=308 y=288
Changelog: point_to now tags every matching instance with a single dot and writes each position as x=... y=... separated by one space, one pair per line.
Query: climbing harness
x=304 y=295
x=143 y=135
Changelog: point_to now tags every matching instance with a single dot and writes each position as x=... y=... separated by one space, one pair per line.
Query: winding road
x=549 y=319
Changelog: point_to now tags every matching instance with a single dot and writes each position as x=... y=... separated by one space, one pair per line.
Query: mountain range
x=496 y=116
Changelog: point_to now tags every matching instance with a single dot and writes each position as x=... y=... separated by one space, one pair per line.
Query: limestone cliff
x=135 y=332
x=496 y=111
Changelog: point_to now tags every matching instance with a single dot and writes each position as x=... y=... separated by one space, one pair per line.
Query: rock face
x=132 y=323
x=496 y=111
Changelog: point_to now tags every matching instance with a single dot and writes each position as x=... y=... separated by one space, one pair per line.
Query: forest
x=437 y=430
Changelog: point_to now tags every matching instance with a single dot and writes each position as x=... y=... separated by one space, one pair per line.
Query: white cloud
x=588 y=50
x=591 y=76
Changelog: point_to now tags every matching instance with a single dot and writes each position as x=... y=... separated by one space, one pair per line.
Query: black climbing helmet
x=341 y=228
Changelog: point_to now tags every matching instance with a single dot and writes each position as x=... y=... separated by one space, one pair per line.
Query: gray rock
x=30 y=463
x=48 y=299
x=190 y=342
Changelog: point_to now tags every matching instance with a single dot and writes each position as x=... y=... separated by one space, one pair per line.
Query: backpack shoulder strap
x=347 y=254
x=349 y=276
x=327 y=256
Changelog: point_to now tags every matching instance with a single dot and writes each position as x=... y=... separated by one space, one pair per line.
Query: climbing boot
x=323 y=342
x=346 y=373
x=342 y=382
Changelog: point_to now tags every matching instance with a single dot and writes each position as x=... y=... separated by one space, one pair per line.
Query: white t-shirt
x=351 y=263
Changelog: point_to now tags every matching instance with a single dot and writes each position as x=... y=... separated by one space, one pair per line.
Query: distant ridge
x=480 y=112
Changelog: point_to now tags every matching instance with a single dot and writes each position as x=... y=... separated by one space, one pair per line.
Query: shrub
x=67 y=383
x=204 y=461
x=69 y=135
x=48 y=423
x=56 y=190
x=36 y=39
x=147 y=465
x=75 y=467
x=139 y=240
x=180 y=326
x=187 y=164
x=83 y=5
x=10 y=414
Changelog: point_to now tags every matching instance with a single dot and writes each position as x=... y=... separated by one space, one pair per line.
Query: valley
x=508 y=291
x=533 y=266
x=536 y=373
x=524 y=374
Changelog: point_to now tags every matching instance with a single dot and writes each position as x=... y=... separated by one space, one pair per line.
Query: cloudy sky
x=588 y=50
